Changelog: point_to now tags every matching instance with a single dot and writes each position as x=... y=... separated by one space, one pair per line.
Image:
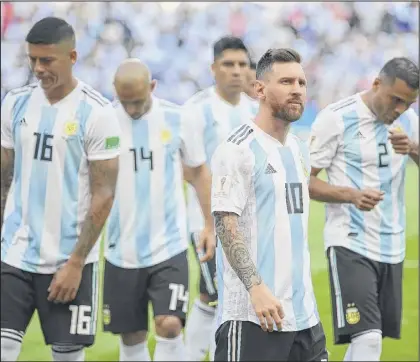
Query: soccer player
x=60 y=138
x=251 y=78
x=260 y=200
x=146 y=256
x=364 y=142
x=217 y=110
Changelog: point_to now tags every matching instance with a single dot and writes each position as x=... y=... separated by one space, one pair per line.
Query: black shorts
x=365 y=295
x=207 y=272
x=127 y=293
x=246 y=341
x=73 y=323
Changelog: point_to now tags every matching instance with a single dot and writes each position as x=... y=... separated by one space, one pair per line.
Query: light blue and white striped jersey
x=266 y=184
x=148 y=221
x=353 y=147
x=50 y=193
x=215 y=119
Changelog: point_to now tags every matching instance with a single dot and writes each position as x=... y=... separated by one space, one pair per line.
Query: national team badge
x=352 y=314
x=70 y=128
x=106 y=315
x=165 y=136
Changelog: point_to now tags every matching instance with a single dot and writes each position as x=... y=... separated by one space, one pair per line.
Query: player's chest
x=368 y=145
x=282 y=180
x=41 y=135
x=149 y=147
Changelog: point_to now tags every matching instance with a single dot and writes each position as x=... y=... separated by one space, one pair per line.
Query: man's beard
x=288 y=115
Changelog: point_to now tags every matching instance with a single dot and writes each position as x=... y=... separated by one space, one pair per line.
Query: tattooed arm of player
x=237 y=253
x=7 y=163
x=103 y=180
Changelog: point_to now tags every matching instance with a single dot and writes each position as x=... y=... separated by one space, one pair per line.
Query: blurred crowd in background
x=343 y=45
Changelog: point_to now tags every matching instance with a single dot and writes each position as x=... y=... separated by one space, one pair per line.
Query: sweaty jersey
x=266 y=185
x=50 y=192
x=215 y=119
x=148 y=221
x=353 y=147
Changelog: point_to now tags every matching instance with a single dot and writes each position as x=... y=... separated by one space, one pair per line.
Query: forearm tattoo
x=236 y=251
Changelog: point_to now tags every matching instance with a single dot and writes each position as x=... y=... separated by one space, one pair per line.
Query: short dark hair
x=228 y=43
x=271 y=56
x=50 y=30
x=401 y=68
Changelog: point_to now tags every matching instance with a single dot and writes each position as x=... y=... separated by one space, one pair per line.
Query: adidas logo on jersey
x=270 y=169
x=359 y=135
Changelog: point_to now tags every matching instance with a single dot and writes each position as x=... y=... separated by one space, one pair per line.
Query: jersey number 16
x=43 y=148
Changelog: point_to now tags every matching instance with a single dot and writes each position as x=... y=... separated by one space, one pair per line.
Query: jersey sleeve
x=414 y=125
x=103 y=135
x=6 y=122
x=231 y=179
x=192 y=135
x=324 y=139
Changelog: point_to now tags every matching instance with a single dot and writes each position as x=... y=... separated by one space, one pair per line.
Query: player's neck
x=232 y=98
x=61 y=92
x=274 y=127
x=367 y=100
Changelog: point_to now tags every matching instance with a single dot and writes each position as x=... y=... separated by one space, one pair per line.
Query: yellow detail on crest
x=352 y=314
x=70 y=128
x=165 y=136
x=106 y=315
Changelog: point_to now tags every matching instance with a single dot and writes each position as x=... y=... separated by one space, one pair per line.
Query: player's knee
x=134 y=338
x=168 y=326
x=371 y=340
x=11 y=342
x=67 y=352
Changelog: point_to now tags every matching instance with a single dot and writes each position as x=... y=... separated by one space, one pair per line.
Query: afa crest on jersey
x=352 y=314
x=70 y=128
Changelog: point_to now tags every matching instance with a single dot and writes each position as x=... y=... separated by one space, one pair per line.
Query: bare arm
x=322 y=191
x=103 y=179
x=237 y=253
x=7 y=166
x=200 y=178
x=414 y=152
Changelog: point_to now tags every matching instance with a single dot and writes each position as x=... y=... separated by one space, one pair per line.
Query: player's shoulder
x=171 y=111
x=94 y=98
x=238 y=141
x=343 y=106
x=14 y=94
x=201 y=96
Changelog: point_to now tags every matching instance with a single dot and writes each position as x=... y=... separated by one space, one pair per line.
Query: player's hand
x=206 y=245
x=400 y=141
x=65 y=283
x=268 y=309
x=367 y=199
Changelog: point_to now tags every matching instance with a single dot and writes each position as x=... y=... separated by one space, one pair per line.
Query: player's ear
x=260 y=89
x=153 y=85
x=376 y=83
x=73 y=56
x=213 y=69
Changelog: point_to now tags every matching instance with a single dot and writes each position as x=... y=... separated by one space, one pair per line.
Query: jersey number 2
x=383 y=155
x=43 y=148
x=294 y=198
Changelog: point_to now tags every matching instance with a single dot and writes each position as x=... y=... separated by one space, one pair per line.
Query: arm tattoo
x=7 y=167
x=103 y=180
x=235 y=249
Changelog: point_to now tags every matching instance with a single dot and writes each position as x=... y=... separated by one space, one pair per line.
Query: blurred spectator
x=343 y=44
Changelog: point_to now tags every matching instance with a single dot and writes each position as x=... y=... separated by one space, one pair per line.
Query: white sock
x=367 y=346
x=170 y=349
x=198 y=330
x=68 y=353
x=11 y=343
x=138 y=352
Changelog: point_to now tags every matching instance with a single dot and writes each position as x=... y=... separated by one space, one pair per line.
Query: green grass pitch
x=406 y=349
